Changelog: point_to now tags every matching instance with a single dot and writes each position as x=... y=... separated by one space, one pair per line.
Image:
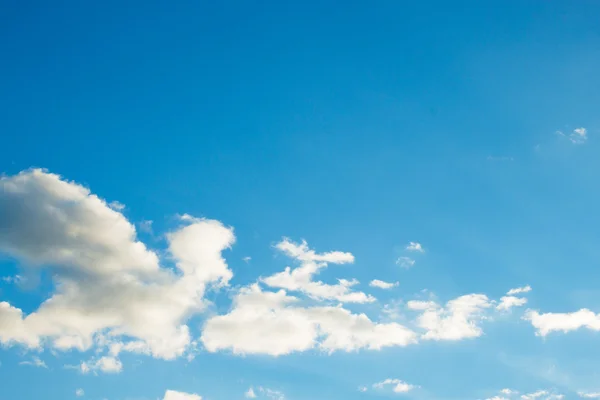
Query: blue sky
x=428 y=172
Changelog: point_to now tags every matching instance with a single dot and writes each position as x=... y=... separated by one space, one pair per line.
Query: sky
x=299 y=200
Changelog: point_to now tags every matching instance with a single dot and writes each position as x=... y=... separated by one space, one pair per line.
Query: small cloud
x=405 y=262
x=508 y=302
x=362 y=389
x=588 y=395
x=398 y=385
x=382 y=284
x=79 y=393
x=524 y=289
x=577 y=136
x=108 y=365
x=415 y=246
x=508 y=392
x=115 y=205
x=247 y=259
x=35 y=362
x=250 y=394
x=145 y=226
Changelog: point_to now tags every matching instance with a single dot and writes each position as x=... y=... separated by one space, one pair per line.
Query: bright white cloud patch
x=79 y=393
x=250 y=394
x=174 y=395
x=415 y=246
x=300 y=279
x=459 y=319
x=563 y=322
x=397 y=385
x=382 y=284
x=508 y=302
x=107 y=282
x=271 y=323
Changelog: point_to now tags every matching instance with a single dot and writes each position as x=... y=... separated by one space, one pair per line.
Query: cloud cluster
x=300 y=279
x=274 y=323
x=106 y=281
x=458 y=319
x=112 y=292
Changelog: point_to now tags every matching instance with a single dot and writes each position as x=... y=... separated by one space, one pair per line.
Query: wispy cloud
x=577 y=136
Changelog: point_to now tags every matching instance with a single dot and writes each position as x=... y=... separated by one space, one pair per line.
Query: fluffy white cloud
x=300 y=279
x=79 y=393
x=398 y=386
x=106 y=281
x=382 y=284
x=415 y=246
x=174 y=395
x=457 y=320
x=563 y=322
x=271 y=323
x=250 y=394
x=508 y=302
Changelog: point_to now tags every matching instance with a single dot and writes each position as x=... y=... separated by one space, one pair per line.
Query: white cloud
x=405 y=262
x=382 y=284
x=415 y=246
x=589 y=395
x=107 y=282
x=35 y=362
x=563 y=322
x=174 y=395
x=509 y=392
x=398 y=386
x=363 y=389
x=519 y=290
x=457 y=320
x=106 y=364
x=577 y=136
x=247 y=259
x=508 y=302
x=270 y=323
x=79 y=393
x=300 y=279
x=250 y=394
x=542 y=395
x=535 y=395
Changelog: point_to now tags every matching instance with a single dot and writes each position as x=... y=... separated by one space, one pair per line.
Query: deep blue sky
x=358 y=126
